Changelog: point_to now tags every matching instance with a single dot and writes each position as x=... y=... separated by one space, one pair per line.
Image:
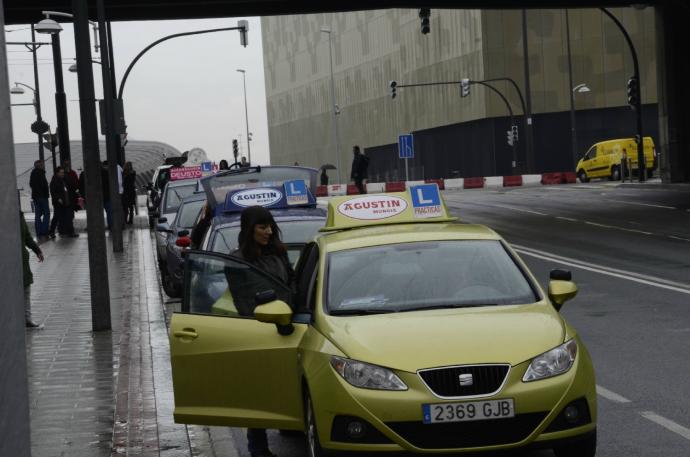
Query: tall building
x=453 y=135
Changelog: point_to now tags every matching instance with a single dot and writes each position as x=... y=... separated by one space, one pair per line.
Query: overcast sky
x=185 y=92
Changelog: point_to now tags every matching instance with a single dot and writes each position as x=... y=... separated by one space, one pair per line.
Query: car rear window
x=175 y=194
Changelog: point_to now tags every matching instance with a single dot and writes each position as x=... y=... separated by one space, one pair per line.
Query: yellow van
x=603 y=159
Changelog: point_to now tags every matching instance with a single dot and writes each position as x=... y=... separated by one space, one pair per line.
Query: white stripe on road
x=621 y=274
x=641 y=204
x=618 y=228
x=613 y=396
x=667 y=424
x=679 y=238
x=566 y=219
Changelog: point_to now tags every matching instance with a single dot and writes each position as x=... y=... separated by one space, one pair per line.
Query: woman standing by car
x=260 y=245
x=129 y=194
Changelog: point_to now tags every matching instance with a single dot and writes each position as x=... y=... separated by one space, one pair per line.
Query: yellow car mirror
x=275 y=312
x=561 y=291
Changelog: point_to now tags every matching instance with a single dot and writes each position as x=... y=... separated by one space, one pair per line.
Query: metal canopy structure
x=26 y=11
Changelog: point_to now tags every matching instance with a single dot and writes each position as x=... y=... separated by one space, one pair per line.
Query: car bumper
x=395 y=418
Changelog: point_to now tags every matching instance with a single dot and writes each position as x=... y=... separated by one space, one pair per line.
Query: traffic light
x=510 y=137
x=244 y=24
x=235 y=149
x=464 y=87
x=51 y=141
x=424 y=14
x=633 y=92
x=394 y=87
x=515 y=133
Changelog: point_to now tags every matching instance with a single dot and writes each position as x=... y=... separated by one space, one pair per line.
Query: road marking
x=679 y=238
x=618 y=228
x=566 y=219
x=642 y=204
x=621 y=274
x=609 y=395
x=667 y=424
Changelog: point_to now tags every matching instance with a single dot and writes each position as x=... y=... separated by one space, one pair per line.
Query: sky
x=185 y=92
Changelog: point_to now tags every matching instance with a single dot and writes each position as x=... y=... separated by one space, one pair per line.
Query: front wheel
x=582 y=176
x=585 y=448
x=313 y=444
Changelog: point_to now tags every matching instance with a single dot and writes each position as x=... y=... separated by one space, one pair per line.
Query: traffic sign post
x=406 y=150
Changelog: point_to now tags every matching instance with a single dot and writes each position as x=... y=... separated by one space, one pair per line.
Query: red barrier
x=352 y=189
x=569 y=177
x=551 y=178
x=473 y=183
x=438 y=182
x=515 y=180
x=398 y=186
x=322 y=191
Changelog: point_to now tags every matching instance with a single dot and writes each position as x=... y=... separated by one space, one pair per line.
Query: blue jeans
x=42 y=221
x=256 y=440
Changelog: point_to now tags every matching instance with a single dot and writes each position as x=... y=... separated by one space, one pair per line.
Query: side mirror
x=276 y=312
x=162 y=220
x=183 y=233
x=561 y=275
x=560 y=292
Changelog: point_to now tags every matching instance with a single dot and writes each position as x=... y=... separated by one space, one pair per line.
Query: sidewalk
x=106 y=393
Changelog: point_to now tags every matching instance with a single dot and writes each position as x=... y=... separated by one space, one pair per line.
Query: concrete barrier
x=551 y=178
x=454 y=183
x=493 y=181
x=395 y=186
x=438 y=182
x=376 y=187
x=473 y=183
x=409 y=184
x=337 y=190
x=569 y=177
x=352 y=189
x=322 y=191
x=511 y=181
x=530 y=180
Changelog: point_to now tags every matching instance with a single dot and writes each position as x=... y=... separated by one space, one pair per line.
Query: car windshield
x=175 y=194
x=295 y=234
x=189 y=213
x=425 y=275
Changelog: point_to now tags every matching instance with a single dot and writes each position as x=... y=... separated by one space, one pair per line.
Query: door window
x=591 y=153
x=225 y=285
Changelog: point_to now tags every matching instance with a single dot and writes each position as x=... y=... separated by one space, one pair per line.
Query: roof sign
x=419 y=204
x=194 y=172
x=292 y=194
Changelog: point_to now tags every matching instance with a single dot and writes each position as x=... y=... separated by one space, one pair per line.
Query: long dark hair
x=251 y=217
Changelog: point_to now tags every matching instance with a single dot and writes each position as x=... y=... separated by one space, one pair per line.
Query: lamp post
x=39 y=125
x=246 y=115
x=334 y=109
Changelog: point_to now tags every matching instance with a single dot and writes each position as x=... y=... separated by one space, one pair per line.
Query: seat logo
x=466 y=379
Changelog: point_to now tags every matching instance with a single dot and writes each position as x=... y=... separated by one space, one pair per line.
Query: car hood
x=411 y=341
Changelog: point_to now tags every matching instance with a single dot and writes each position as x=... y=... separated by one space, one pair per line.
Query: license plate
x=468 y=411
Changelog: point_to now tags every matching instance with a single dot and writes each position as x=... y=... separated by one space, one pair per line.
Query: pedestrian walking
x=28 y=242
x=260 y=245
x=324 y=177
x=72 y=183
x=129 y=194
x=40 y=193
x=63 y=213
x=360 y=165
x=105 y=189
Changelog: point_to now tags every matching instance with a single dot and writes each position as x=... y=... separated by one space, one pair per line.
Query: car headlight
x=552 y=363
x=367 y=376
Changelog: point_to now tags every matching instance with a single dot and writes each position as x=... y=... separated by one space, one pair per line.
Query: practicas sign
x=372 y=207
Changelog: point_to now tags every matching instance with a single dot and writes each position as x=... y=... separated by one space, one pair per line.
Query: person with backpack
x=360 y=165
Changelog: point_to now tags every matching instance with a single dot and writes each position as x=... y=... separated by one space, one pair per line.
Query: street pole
x=37 y=94
x=60 y=101
x=529 y=137
x=573 y=138
x=116 y=209
x=113 y=84
x=637 y=107
x=333 y=107
x=246 y=115
x=14 y=393
x=98 y=261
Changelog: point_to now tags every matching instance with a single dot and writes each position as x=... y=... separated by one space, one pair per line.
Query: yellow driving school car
x=406 y=331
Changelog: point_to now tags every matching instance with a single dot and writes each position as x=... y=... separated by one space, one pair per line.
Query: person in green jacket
x=28 y=242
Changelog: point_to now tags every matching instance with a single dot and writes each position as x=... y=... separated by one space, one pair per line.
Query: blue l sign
x=405 y=147
x=296 y=193
x=426 y=201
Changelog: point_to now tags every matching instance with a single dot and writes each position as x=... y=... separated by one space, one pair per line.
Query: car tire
x=168 y=286
x=314 y=448
x=585 y=448
x=615 y=173
x=582 y=176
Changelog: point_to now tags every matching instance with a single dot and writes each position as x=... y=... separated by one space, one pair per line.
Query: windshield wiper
x=467 y=305
x=361 y=312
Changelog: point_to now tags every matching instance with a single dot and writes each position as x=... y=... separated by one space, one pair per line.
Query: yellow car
x=407 y=331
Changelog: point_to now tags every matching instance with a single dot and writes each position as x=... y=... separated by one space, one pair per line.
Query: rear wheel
x=582 y=176
x=615 y=173
x=585 y=448
x=169 y=287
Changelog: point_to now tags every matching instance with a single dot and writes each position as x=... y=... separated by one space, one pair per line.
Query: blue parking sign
x=426 y=201
x=405 y=147
x=296 y=192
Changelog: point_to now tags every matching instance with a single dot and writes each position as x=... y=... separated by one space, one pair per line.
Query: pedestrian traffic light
x=510 y=137
x=633 y=92
x=235 y=149
x=394 y=88
x=515 y=133
x=464 y=87
x=424 y=14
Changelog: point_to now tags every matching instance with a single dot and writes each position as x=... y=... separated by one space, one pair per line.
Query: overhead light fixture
x=16 y=90
x=48 y=26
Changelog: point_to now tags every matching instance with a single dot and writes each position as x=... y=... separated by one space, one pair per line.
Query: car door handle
x=186 y=333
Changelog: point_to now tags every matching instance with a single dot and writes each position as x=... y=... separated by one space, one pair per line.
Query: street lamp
x=246 y=115
x=17 y=90
x=335 y=109
x=73 y=68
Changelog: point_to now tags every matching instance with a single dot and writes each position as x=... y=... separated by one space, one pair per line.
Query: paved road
x=629 y=251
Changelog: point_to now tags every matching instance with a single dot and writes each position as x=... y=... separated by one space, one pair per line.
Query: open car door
x=228 y=368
